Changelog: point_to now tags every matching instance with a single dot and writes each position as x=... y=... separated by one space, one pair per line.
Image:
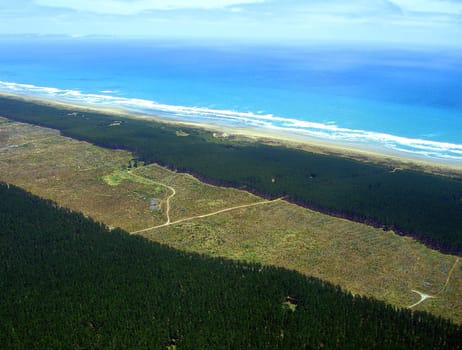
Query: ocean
x=401 y=100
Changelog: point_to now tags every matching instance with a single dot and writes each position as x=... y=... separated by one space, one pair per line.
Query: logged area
x=178 y=210
x=69 y=282
x=428 y=207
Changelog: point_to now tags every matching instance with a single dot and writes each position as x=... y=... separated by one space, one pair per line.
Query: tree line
x=68 y=282
x=428 y=207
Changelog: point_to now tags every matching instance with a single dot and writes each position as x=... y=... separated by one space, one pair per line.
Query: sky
x=405 y=22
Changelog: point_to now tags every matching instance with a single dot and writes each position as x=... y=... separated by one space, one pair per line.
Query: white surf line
x=440 y=150
x=424 y=296
x=207 y=215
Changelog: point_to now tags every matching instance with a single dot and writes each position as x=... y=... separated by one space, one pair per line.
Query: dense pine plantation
x=68 y=282
x=425 y=206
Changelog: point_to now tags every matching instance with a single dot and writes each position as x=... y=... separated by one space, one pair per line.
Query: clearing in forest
x=191 y=215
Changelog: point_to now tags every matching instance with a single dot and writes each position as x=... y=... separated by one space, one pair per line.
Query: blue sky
x=432 y=22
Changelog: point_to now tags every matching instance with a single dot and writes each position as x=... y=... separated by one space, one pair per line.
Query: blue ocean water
x=404 y=100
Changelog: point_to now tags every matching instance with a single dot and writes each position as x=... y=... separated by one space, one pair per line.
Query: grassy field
x=362 y=259
x=72 y=174
x=426 y=207
x=97 y=182
x=194 y=197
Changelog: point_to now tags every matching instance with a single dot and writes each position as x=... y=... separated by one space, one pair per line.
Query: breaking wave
x=416 y=147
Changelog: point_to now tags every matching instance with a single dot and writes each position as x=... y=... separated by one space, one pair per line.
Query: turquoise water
x=403 y=100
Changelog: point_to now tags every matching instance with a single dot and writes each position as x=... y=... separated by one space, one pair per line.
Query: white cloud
x=409 y=21
x=431 y=6
x=356 y=7
x=133 y=7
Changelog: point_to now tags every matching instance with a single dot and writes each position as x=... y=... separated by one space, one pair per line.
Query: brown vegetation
x=95 y=181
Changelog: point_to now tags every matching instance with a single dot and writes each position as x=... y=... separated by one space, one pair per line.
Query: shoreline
x=370 y=153
x=372 y=190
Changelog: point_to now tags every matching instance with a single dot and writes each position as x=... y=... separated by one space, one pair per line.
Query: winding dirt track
x=168 y=223
x=168 y=198
x=449 y=276
x=424 y=296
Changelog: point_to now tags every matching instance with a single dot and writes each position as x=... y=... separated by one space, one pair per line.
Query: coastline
x=377 y=190
x=396 y=160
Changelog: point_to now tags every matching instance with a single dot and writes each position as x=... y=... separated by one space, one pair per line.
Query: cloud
x=453 y=8
x=400 y=21
x=133 y=7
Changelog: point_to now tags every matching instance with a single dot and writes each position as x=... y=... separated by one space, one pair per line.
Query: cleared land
x=72 y=174
x=98 y=182
x=426 y=207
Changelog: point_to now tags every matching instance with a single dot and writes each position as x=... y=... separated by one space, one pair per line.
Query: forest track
x=451 y=271
x=169 y=198
x=424 y=296
x=207 y=215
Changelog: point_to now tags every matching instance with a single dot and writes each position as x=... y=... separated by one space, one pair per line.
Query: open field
x=97 y=182
x=391 y=196
x=194 y=197
x=70 y=283
x=360 y=258
x=71 y=173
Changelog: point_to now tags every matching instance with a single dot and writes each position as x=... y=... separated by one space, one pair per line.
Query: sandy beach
x=359 y=151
